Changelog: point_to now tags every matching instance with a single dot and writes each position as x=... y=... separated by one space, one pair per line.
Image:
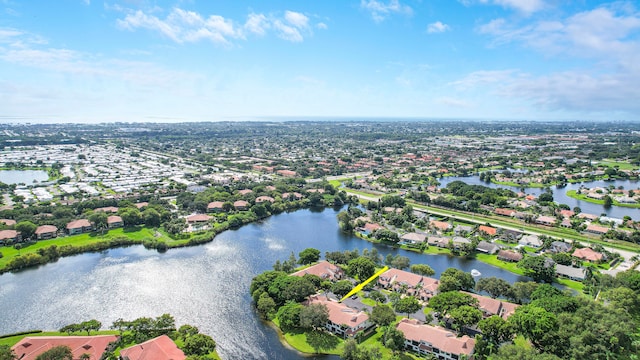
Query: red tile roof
x=587 y=254
x=440 y=224
x=260 y=199
x=494 y=306
x=30 y=347
x=78 y=224
x=437 y=337
x=339 y=313
x=323 y=269
x=215 y=205
x=160 y=348
x=487 y=229
x=44 y=229
x=198 y=218
x=8 y=234
x=8 y=222
x=114 y=219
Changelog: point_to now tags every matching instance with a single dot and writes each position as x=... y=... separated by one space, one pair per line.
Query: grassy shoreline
x=575 y=195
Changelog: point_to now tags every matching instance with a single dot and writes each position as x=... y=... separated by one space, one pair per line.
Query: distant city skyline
x=188 y=60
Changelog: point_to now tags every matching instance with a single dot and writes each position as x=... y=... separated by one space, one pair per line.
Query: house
x=407 y=282
x=107 y=209
x=435 y=341
x=588 y=255
x=343 y=320
x=9 y=236
x=487 y=247
x=590 y=217
x=463 y=229
x=291 y=196
x=241 y=205
x=439 y=241
x=261 y=199
x=546 y=220
x=459 y=242
x=8 y=222
x=370 y=228
x=559 y=247
x=286 y=173
x=79 y=226
x=440 y=225
x=215 y=206
x=490 y=306
x=141 y=205
x=566 y=223
x=198 y=219
x=570 y=272
x=160 y=348
x=491 y=231
x=44 y=232
x=413 y=238
x=245 y=192
x=324 y=270
x=31 y=346
x=567 y=213
x=531 y=240
x=505 y=212
x=596 y=229
x=510 y=256
x=114 y=221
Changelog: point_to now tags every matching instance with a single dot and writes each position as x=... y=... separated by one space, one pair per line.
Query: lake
x=206 y=286
x=560 y=194
x=26 y=177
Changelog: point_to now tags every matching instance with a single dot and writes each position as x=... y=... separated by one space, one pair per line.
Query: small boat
x=475 y=272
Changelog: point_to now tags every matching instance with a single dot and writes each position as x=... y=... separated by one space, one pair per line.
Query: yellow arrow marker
x=361 y=286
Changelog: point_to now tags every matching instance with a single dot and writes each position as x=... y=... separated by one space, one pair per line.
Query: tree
x=265 y=306
x=393 y=339
x=623 y=298
x=56 y=353
x=447 y=301
x=522 y=290
x=495 y=329
x=151 y=217
x=99 y=220
x=422 y=269
x=455 y=279
x=562 y=258
x=71 y=328
x=308 y=256
x=407 y=305
x=6 y=353
x=377 y=296
x=465 y=315
x=400 y=262
x=494 y=286
x=290 y=288
x=289 y=315
x=91 y=325
x=382 y=315
x=199 y=344
x=362 y=268
x=534 y=323
x=608 y=201
x=131 y=216
x=187 y=330
x=26 y=228
x=314 y=316
x=537 y=268
x=510 y=352
x=342 y=288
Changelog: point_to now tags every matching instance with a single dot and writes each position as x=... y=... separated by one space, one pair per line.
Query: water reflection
x=206 y=286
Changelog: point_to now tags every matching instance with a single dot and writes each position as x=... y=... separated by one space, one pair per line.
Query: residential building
x=241 y=205
x=487 y=247
x=490 y=306
x=488 y=230
x=588 y=255
x=44 y=232
x=114 y=221
x=546 y=220
x=160 y=348
x=440 y=225
x=596 y=229
x=510 y=256
x=407 y=282
x=9 y=236
x=559 y=247
x=324 y=269
x=107 y=209
x=343 y=320
x=215 y=206
x=434 y=340
x=413 y=238
x=79 y=226
x=245 y=192
x=30 y=347
x=570 y=272
x=8 y=222
x=261 y=199
x=198 y=219
x=530 y=240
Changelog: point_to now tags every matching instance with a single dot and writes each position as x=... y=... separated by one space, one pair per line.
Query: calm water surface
x=206 y=286
x=26 y=177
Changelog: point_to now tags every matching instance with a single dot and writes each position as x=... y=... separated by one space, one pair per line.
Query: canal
x=206 y=286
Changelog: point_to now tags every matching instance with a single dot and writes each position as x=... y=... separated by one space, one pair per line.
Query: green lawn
x=493 y=260
x=619 y=164
x=575 y=195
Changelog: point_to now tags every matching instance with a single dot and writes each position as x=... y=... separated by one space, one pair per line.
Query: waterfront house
x=114 y=221
x=9 y=236
x=261 y=199
x=409 y=283
x=413 y=238
x=324 y=270
x=510 y=256
x=570 y=272
x=487 y=247
x=435 y=341
x=160 y=348
x=79 y=226
x=30 y=347
x=44 y=232
x=343 y=320
x=291 y=196
x=198 y=219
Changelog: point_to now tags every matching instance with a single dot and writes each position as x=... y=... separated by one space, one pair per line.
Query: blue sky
x=144 y=60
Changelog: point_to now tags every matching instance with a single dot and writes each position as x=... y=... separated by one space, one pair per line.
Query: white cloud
x=483 y=77
x=183 y=26
x=322 y=26
x=437 y=27
x=526 y=7
x=453 y=102
x=296 y=19
x=380 y=10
